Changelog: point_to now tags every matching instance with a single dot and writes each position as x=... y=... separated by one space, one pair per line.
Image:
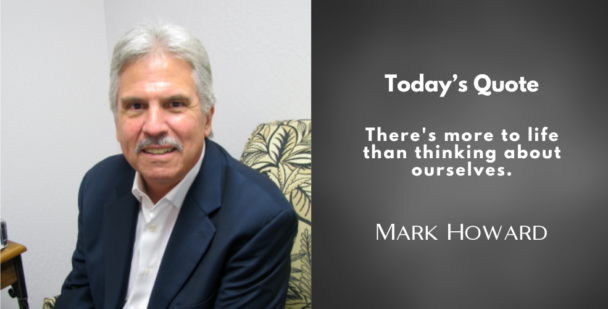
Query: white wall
x=55 y=126
x=55 y=120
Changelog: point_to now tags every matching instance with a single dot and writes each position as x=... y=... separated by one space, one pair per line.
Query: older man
x=174 y=221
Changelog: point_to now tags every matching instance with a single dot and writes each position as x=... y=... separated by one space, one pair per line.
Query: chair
x=49 y=303
x=282 y=151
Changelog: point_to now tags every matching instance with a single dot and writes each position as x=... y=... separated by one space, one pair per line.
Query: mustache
x=159 y=141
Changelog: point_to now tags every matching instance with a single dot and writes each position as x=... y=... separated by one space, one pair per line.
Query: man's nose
x=155 y=123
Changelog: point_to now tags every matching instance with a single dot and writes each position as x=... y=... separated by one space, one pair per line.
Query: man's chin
x=160 y=178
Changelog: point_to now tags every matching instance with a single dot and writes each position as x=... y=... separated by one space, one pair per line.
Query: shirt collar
x=177 y=195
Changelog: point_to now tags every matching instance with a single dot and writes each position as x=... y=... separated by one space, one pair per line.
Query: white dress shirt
x=154 y=226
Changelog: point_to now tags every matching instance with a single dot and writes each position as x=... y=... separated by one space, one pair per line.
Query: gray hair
x=148 y=38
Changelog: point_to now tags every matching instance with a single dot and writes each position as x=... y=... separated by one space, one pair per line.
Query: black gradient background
x=564 y=48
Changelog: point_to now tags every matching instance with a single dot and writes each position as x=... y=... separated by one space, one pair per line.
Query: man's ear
x=209 y=118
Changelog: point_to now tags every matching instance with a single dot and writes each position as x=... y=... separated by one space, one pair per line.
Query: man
x=174 y=221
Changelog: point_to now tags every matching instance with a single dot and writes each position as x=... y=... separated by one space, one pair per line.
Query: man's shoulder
x=115 y=165
x=246 y=183
x=108 y=173
x=250 y=200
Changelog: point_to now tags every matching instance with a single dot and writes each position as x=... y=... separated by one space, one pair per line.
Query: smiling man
x=174 y=221
x=158 y=111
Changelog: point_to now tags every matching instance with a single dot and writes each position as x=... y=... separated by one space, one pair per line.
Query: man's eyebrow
x=177 y=97
x=129 y=100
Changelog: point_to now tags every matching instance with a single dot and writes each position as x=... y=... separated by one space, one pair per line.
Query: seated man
x=174 y=221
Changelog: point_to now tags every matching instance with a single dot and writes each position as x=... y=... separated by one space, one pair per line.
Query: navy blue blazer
x=230 y=247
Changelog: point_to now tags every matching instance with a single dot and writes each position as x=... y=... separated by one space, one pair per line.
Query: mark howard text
x=461 y=232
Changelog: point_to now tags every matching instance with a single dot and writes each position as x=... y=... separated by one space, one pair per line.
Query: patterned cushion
x=49 y=303
x=282 y=151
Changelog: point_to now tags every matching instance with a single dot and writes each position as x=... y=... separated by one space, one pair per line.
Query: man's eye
x=136 y=106
x=177 y=104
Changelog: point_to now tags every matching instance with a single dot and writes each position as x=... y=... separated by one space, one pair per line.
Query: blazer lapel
x=119 y=223
x=193 y=229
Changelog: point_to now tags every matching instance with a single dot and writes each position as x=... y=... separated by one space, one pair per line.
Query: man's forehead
x=157 y=74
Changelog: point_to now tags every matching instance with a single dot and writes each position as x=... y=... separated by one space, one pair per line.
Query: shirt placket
x=149 y=257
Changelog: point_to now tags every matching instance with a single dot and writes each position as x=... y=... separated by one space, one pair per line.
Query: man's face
x=157 y=99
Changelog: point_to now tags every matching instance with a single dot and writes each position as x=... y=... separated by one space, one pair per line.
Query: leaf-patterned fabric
x=49 y=303
x=281 y=150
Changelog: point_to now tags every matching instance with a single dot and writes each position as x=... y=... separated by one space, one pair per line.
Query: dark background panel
x=564 y=48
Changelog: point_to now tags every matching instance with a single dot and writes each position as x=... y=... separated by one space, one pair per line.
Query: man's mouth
x=158 y=150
